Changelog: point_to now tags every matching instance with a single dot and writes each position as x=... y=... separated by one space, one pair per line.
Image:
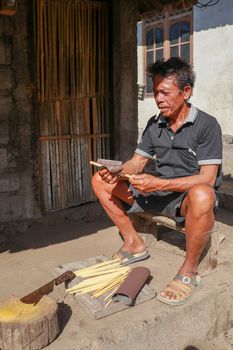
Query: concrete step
x=226 y=195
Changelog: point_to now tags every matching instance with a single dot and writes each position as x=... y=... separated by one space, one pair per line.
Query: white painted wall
x=146 y=108
x=213 y=63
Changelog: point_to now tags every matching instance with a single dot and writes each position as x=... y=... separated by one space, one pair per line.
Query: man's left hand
x=145 y=182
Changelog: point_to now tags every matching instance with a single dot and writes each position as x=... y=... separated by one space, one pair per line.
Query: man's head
x=173 y=82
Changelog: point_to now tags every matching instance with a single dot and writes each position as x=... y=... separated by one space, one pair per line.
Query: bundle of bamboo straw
x=100 y=279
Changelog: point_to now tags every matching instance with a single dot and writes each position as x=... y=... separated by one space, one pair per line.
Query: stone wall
x=17 y=118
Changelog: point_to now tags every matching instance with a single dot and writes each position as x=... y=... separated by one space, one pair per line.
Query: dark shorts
x=159 y=203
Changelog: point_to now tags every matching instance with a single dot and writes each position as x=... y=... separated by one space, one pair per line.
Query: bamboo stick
x=55 y=44
x=60 y=151
x=88 y=43
x=101 y=165
x=110 y=294
x=76 y=41
x=50 y=43
x=94 y=281
x=37 y=32
x=41 y=50
x=77 y=145
x=98 y=286
x=72 y=52
x=80 y=53
x=46 y=50
x=101 y=271
x=79 y=131
x=109 y=286
x=99 y=51
x=94 y=51
x=103 y=50
x=108 y=303
x=83 y=50
x=99 y=265
x=100 y=278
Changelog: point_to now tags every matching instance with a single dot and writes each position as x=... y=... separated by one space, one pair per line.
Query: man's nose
x=159 y=97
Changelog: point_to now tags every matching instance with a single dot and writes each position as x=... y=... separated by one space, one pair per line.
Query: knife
x=35 y=296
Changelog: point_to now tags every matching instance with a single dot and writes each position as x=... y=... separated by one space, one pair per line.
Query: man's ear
x=187 y=92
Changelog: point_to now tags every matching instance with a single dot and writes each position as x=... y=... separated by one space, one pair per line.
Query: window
x=168 y=37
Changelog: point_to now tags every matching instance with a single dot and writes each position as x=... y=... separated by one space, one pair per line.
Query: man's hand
x=149 y=183
x=145 y=182
x=107 y=176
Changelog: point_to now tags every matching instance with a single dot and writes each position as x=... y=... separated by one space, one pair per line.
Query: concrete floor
x=205 y=323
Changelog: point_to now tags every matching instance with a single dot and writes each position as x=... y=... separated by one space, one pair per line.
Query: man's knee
x=201 y=196
x=97 y=182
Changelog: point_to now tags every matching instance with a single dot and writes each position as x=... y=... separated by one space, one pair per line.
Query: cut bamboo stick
x=101 y=165
x=108 y=303
x=100 y=272
x=110 y=294
x=109 y=286
x=108 y=262
x=100 y=279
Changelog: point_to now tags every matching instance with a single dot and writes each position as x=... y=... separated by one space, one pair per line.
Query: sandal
x=128 y=258
x=183 y=288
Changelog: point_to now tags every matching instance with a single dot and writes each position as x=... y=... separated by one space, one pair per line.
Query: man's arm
x=133 y=166
x=150 y=183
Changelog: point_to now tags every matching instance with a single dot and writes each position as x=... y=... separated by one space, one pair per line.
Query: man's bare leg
x=197 y=207
x=111 y=197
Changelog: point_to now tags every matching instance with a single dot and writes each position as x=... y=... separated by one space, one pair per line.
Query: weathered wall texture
x=125 y=78
x=17 y=124
x=213 y=61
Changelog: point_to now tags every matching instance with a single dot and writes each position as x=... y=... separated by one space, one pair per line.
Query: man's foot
x=180 y=290
x=129 y=258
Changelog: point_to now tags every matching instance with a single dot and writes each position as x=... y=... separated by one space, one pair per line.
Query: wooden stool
x=146 y=223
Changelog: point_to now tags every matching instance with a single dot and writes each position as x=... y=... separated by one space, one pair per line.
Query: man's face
x=169 y=98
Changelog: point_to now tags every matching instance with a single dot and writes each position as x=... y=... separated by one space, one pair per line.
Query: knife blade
x=35 y=296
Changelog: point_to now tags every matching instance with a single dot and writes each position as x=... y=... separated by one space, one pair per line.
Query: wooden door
x=72 y=100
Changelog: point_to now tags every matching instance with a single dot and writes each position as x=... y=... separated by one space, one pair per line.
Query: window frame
x=166 y=23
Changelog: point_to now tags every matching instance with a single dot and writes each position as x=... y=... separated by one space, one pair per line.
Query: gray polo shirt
x=197 y=142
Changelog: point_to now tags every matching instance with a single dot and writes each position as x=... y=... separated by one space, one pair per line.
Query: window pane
x=159 y=54
x=174 y=51
x=185 y=52
x=149 y=85
x=159 y=37
x=185 y=31
x=149 y=57
x=174 y=34
x=150 y=39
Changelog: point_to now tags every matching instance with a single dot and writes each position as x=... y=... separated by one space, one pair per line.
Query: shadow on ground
x=58 y=227
x=65 y=313
x=70 y=224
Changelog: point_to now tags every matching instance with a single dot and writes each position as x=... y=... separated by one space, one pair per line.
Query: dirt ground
x=30 y=259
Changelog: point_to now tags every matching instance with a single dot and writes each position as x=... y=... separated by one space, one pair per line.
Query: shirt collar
x=190 y=118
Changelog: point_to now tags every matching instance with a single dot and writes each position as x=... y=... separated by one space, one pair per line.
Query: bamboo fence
x=72 y=93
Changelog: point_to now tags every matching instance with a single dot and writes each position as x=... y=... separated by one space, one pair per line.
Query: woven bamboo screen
x=72 y=50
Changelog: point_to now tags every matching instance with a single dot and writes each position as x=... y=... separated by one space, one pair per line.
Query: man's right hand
x=107 y=176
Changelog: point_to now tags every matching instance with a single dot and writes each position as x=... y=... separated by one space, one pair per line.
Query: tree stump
x=28 y=326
